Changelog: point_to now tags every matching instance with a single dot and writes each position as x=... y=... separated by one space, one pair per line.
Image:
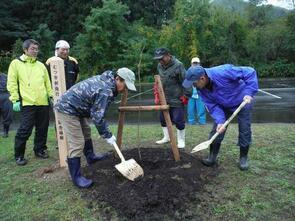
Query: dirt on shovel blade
x=166 y=191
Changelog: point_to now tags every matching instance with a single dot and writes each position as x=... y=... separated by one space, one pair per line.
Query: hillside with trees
x=107 y=34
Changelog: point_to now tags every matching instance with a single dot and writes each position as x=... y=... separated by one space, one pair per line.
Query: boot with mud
x=92 y=157
x=243 y=162
x=74 y=164
x=212 y=158
x=181 y=139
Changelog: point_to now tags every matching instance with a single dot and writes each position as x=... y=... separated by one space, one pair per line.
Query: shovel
x=128 y=168
x=207 y=143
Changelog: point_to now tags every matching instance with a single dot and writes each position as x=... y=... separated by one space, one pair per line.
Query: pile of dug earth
x=166 y=191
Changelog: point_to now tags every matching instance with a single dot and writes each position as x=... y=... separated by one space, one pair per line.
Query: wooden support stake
x=167 y=118
x=57 y=71
x=144 y=108
x=121 y=118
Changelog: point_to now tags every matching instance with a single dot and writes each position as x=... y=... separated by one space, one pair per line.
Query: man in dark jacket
x=89 y=99
x=223 y=88
x=62 y=49
x=5 y=105
x=172 y=73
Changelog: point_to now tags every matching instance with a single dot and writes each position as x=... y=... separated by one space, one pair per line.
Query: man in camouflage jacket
x=89 y=99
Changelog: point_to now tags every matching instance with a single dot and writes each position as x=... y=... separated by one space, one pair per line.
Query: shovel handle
x=119 y=152
x=229 y=119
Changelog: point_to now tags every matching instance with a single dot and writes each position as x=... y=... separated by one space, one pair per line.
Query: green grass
x=265 y=192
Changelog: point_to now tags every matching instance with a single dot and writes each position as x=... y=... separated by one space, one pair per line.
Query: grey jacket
x=172 y=76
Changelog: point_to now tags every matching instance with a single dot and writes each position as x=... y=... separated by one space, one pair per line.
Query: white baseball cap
x=128 y=76
x=62 y=44
x=195 y=60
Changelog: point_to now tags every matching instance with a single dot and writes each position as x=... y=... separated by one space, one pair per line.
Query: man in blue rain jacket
x=223 y=88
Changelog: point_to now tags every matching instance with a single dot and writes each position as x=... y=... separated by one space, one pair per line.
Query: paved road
x=267 y=109
x=270 y=109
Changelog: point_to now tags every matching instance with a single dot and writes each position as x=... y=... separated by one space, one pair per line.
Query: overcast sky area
x=288 y=4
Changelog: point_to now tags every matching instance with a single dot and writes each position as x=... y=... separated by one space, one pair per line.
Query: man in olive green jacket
x=30 y=92
x=172 y=73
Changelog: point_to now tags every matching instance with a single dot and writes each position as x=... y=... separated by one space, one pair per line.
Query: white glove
x=111 y=140
x=220 y=128
x=248 y=98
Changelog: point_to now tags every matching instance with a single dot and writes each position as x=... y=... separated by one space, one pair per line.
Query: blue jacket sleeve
x=248 y=75
x=215 y=111
x=97 y=114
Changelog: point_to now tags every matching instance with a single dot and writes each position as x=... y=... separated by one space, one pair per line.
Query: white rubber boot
x=166 y=137
x=181 y=138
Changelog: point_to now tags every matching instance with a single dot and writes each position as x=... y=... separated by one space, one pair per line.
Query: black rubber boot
x=75 y=171
x=212 y=158
x=19 y=152
x=5 y=131
x=243 y=163
x=91 y=157
x=21 y=161
x=41 y=154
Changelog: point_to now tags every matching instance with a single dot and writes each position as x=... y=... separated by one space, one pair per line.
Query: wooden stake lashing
x=59 y=87
x=167 y=118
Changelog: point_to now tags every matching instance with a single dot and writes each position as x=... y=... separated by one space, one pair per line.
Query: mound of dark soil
x=164 y=191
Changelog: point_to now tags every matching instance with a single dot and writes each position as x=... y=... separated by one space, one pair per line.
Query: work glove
x=111 y=140
x=156 y=94
x=248 y=98
x=220 y=128
x=184 y=100
x=16 y=106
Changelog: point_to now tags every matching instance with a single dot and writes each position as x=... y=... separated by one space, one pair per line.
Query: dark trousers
x=177 y=117
x=31 y=116
x=5 y=109
x=244 y=121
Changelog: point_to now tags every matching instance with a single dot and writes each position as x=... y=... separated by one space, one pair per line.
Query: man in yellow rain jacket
x=30 y=92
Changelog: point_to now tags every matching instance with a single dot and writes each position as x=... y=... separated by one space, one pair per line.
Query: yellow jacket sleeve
x=12 y=82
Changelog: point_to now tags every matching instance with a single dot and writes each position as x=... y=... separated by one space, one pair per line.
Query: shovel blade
x=201 y=146
x=130 y=169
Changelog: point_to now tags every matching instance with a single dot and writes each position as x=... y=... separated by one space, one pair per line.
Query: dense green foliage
x=107 y=34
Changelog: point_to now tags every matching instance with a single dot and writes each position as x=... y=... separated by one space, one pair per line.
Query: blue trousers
x=177 y=117
x=244 y=121
x=195 y=108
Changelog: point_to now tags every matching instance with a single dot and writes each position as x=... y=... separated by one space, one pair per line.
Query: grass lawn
x=265 y=192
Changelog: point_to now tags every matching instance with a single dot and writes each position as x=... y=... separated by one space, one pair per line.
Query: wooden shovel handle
x=229 y=119
x=119 y=152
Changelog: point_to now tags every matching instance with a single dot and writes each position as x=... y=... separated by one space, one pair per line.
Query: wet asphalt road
x=267 y=109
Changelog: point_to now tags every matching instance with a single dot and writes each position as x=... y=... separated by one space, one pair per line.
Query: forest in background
x=108 y=34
